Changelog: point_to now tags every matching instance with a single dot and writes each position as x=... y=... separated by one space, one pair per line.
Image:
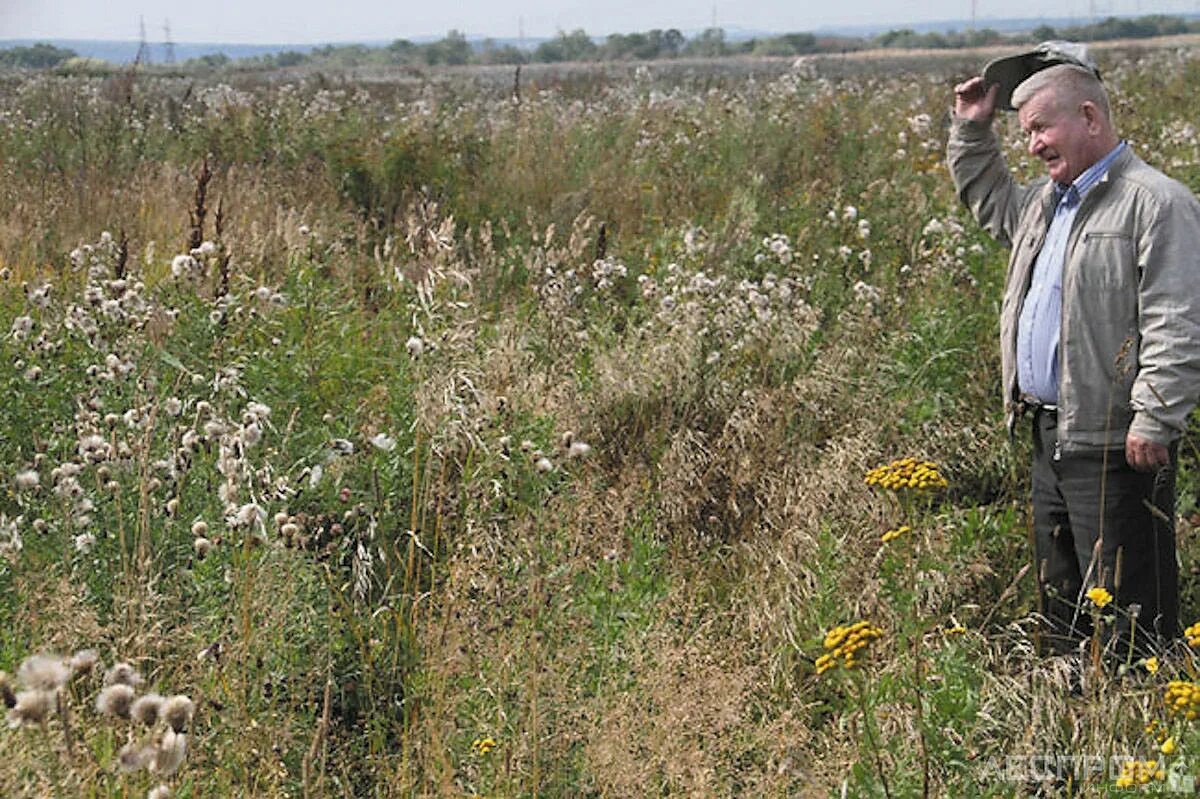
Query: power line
x=168 y=45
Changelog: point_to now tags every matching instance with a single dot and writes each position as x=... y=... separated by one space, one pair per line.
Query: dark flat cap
x=1011 y=71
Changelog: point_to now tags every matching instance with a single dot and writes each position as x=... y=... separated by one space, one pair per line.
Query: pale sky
x=311 y=21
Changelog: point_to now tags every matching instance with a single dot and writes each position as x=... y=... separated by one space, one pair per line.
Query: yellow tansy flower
x=842 y=645
x=483 y=745
x=1151 y=665
x=1099 y=596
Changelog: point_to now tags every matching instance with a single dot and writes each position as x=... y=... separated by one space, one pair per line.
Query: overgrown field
x=439 y=441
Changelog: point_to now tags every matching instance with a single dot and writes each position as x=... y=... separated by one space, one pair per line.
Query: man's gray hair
x=1071 y=84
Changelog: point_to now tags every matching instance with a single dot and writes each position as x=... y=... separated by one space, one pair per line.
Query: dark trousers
x=1097 y=522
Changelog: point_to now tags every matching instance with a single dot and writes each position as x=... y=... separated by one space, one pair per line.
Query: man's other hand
x=974 y=100
x=1145 y=455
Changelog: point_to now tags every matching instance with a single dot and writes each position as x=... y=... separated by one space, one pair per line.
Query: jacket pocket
x=1108 y=261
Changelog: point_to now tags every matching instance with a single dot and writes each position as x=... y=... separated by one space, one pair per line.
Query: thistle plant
x=48 y=688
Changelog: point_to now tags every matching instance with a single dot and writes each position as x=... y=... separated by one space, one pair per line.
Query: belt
x=1028 y=403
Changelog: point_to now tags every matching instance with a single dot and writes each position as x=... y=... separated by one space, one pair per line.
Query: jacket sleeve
x=982 y=179
x=1165 y=387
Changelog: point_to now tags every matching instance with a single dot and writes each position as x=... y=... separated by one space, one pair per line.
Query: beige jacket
x=1129 y=347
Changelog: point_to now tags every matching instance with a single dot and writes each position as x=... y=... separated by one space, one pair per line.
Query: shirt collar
x=1072 y=195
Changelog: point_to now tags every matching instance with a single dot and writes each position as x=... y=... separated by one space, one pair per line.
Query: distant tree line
x=577 y=45
x=39 y=56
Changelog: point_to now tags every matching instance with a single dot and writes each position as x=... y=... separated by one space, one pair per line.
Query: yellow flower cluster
x=842 y=645
x=907 y=474
x=1157 y=731
x=1182 y=698
x=1151 y=665
x=1099 y=596
x=483 y=745
x=1193 y=635
x=892 y=535
x=1139 y=772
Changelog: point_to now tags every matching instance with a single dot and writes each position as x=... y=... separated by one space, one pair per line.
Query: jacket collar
x=1050 y=191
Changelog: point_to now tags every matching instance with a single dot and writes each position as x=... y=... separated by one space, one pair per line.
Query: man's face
x=1058 y=134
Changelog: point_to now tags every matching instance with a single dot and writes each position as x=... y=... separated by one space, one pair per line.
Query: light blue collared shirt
x=1040 y=324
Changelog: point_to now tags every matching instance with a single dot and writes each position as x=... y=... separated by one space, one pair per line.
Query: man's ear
x=1092 y=114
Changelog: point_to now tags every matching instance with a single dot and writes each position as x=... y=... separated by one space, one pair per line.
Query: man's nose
x=1035 y=143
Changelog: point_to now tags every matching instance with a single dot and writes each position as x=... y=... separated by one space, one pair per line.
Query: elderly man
x=1099 y=335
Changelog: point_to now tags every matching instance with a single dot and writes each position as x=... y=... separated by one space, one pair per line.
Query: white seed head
x=27 y=479
x=134 y=757
x=202 y=546
x=84 y=661
x=159 y=792
x=169 y=753
x=115 y=701
x=123 y=674
x=178 y=711
x=43 y=672
x=248 y=514
x=199 y=528
x=32 y=707
x=146 y=708
x=415 y=346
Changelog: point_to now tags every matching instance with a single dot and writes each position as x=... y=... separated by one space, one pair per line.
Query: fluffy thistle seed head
x=134 y=757
x=146 y=709
x=202 y=546
x=27 y=479
x=123 y=674
x=178 y=711
x=83 y=661
x=115 y=701
x=31 y=707
x=169 y=753
x=43 y=672
x=161 y=792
